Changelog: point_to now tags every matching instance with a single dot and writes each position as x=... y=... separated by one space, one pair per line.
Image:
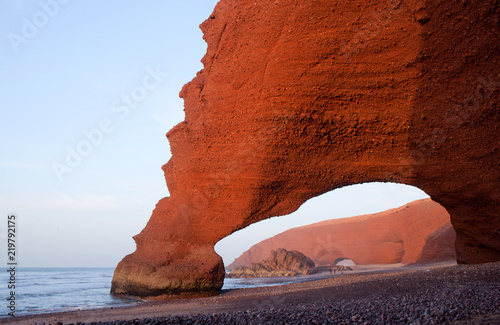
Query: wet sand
x=429 y=294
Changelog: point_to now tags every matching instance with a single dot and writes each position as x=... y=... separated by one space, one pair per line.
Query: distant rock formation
x=418 y=232
x=279 y=263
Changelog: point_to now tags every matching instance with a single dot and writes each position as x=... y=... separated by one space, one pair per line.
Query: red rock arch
x=298 y=98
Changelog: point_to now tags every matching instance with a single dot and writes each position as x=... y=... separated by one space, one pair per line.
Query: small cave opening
x=342 y=261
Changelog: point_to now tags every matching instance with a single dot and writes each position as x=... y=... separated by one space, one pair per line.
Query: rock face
x=298 y=98
x=418 y=232
x=439 y=246
x=280 y=262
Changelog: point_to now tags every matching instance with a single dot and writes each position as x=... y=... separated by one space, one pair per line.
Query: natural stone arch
x=326 y=254
x=291 y=104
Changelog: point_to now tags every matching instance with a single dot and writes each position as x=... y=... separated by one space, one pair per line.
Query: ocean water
x=44 y=290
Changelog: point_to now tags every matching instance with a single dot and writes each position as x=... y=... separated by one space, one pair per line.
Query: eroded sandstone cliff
x=298 y=98
x=418 y=232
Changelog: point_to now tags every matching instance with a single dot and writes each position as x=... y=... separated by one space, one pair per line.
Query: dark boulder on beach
x=279 y=263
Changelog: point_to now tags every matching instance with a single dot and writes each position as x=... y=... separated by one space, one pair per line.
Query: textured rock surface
x=280 y=262
x=439 y=246
x=419 y=232
x=298 y=98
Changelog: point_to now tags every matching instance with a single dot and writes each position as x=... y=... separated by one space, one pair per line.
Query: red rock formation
x=298 y=98
x=418 y=232
x=437 y=247
x=280 y=262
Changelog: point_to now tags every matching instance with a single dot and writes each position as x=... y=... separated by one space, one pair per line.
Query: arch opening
x=371 y=242
x=344 y=261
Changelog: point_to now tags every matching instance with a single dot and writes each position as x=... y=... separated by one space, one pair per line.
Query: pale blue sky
x=69 y=68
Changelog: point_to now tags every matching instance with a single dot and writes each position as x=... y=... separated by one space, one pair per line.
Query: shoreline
x=349 y=297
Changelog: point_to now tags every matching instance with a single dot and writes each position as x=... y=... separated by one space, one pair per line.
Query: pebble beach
x=457 y=294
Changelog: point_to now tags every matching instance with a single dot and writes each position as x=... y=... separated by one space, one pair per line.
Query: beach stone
x=296 y=99
x=280 y=262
